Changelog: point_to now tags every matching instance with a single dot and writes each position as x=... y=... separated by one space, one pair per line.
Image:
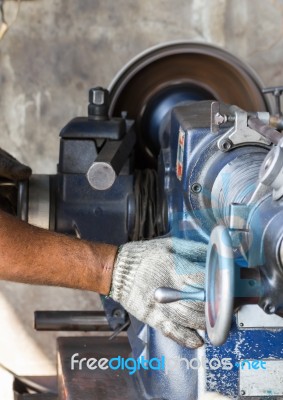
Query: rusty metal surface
x=88 y=384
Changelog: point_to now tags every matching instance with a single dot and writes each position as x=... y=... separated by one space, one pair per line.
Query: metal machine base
x=94 y=384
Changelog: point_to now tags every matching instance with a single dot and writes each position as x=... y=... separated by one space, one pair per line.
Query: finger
x=186 y=314
x=193 y=273
x=194 y=279
x=184 y=336
x=195 y=251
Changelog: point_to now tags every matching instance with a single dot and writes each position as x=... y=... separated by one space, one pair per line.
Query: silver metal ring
x=39 y=201
x=220 y=278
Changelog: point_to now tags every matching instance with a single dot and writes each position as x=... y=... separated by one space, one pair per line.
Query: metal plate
x=86 y=384
x=252 y=316
x=262 y=382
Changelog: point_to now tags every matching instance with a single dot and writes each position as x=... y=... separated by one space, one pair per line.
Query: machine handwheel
x=220 y=280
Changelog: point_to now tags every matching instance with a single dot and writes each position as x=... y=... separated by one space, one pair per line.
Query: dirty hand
x=142 y=267
x=11 y=171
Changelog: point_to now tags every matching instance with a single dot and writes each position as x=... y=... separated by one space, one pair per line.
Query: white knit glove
x=142 y=267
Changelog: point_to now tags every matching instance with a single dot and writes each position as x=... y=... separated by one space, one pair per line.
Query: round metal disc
x=220 y=280
x=162 y=77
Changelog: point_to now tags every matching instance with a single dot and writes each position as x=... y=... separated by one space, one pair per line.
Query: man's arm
x=32 y=255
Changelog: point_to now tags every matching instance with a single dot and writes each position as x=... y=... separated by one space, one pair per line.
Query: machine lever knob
x=168 y=295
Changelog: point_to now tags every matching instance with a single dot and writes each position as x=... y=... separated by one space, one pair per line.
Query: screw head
x=225 y=145
x=243 y=393
x=117 y=313
x=241 y=324
x=196 y=187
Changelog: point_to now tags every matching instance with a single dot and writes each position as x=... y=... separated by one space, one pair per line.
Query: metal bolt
x=196 y=187
x=241 y=324
x=225 y=145
x=117 y=313
x=220 y=119
x=243 y=393
x=97 y=95
x=98 y=103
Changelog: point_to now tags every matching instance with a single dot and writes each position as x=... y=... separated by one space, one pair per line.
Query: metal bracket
x=219 y=115
x=240 y=133
x=251 y=316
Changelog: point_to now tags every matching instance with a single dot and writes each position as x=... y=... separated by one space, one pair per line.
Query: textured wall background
x=57 y=49
x=54 y=52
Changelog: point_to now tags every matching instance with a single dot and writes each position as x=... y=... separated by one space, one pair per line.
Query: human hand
x=142 y=267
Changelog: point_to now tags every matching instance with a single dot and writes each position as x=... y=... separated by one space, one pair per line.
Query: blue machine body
x=188 y=156
x=190 y=216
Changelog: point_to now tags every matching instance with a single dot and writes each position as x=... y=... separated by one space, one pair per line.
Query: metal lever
x=102 y=173
x=277 y=92
x=120 y=329
x=168 y=295
x=71 y=321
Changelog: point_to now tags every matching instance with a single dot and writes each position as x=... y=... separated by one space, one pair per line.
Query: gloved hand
x=142 y=267
x=11 y=171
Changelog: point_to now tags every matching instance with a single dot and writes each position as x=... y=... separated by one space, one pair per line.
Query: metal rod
x=268 y=132
x=71 y=321
x=119 y=330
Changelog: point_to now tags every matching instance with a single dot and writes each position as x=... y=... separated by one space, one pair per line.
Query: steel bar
x=71 y=321
x=268 y=132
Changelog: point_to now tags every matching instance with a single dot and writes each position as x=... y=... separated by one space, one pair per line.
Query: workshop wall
x=57 y=49
x=50 y=57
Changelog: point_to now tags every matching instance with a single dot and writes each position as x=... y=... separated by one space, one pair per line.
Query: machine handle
x=168 y=295
x=71 y=321
x=277 y=93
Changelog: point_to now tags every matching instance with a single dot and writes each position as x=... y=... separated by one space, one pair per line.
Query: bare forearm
x=32 y=255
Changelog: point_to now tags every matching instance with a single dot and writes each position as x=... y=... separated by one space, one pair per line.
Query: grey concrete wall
x=57 y=49
x=52 y=54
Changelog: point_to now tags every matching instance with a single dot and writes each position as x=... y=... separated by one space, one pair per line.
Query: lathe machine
x=185 y=143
